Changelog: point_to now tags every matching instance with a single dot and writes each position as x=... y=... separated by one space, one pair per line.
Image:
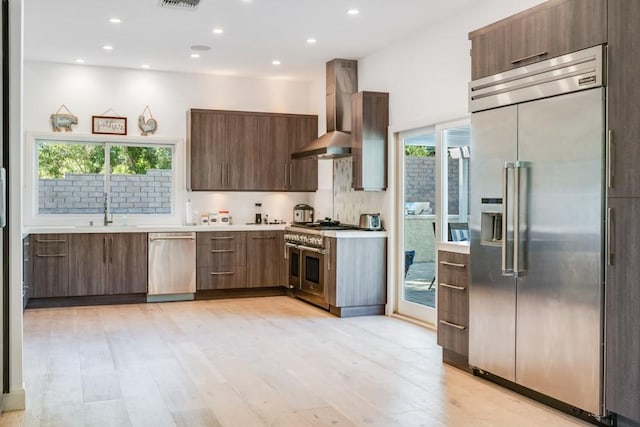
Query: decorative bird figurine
x=147 y=125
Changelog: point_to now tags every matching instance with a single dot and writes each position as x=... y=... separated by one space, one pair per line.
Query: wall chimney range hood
x=342 y=82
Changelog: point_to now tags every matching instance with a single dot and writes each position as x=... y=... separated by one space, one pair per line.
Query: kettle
x=302 y=214
x=370 y=221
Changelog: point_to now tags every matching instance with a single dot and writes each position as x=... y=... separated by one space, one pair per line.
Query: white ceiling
x=255 y=33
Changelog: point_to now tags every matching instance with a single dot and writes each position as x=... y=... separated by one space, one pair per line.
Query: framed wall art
x=110 y=125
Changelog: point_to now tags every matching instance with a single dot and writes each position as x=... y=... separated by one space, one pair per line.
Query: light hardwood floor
x=249 y=362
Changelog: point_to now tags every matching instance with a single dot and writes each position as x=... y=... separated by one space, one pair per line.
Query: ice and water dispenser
x=491 y=221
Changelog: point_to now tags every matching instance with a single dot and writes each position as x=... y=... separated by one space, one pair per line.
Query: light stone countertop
x=187 y=228
x=458 y=247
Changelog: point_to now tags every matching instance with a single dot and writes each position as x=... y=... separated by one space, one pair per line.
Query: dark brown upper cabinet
x=545 y=31
x=369 y=133
x=244 y=151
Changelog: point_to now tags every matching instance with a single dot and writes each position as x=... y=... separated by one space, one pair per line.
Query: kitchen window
x=77 y=176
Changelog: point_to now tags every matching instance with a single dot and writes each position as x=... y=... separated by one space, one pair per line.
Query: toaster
x=370 y=221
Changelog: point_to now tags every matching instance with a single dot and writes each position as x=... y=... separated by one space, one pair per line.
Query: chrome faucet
x=107 y=221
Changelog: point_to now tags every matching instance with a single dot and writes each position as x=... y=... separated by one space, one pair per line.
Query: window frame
x=31 y=217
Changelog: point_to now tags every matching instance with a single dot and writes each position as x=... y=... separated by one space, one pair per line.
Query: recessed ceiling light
x=218 y=30
x=145 y=66
x=353 y=11
x=107 y=47
x=115 y=20
x=79 y=61
x=311 y=40
x=195 y=55
x=276 y=62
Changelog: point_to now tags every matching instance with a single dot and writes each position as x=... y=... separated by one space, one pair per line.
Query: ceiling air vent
x=180 y=4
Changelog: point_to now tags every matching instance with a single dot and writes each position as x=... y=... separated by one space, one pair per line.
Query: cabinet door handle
x=222 y=238
x=222 y=273
x=111 y=250
x=221 y=251
x=50 y=255
x=457 y=288
x=515 y=61
x=611 y=159
x=452 y=264
x=286 y=180
x=263 y=237
x=50 y=241
x=453 y=325
x=104 y=250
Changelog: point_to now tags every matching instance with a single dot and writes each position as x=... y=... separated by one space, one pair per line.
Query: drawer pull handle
x=222 y=273
x=264 y=237
x=221 y=251
x=457 y=288
x=453 y=325
x=515 y=61
x=452 y=264
x=222 y=238
x=50 y=255
x=50 y=241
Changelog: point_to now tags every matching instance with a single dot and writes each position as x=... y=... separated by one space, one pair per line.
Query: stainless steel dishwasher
x=172 y=266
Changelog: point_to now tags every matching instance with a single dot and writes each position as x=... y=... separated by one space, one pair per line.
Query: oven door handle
x=310 y=249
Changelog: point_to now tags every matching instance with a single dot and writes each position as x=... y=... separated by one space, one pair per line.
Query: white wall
x=426 y=76
x=88 y=91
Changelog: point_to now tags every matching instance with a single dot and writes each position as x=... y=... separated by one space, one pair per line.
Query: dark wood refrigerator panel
x=624 y=98
x=622 y=297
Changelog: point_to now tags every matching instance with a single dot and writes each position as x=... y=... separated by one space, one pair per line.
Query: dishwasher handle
x=153 y=239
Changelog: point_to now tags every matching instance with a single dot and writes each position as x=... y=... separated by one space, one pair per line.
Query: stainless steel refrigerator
x=537 y=209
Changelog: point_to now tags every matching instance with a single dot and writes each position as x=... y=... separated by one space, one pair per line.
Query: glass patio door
x=435 y=198
x=417 y=287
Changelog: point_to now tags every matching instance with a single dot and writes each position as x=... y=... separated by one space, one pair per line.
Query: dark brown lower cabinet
x=265 y=250
x=107 y=264
x=622 y=296
x=50 y=269
x=453 y=307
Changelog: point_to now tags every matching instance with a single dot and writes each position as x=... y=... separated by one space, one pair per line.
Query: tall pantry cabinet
x=562 y=26
x=622 y=290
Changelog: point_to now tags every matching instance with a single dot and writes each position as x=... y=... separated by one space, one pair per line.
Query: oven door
x=313 y=277
x=294 y=265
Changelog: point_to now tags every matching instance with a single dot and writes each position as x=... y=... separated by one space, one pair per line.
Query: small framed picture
x=110 y=125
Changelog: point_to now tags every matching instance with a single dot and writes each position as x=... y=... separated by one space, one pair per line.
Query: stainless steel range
x=308 y=254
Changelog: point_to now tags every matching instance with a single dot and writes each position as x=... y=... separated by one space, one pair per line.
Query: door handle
x=610 y=159
x=505 y=213
x=221 y=251
x=453 y=325
x=452 y=264
x=111 y=250
x=518 y=166
x=3 y=197
x=457 y=288
x=611 y=251
x=516 y=61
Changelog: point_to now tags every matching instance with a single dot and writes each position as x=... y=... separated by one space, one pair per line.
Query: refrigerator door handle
x=516 y=216
x=505 y=211
x=610 y=159
x=611 y=237
x=3 y=197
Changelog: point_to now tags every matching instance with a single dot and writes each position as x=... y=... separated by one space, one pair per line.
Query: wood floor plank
x=250 y=362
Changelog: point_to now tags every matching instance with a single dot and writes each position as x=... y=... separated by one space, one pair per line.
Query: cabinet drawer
x=453 y=305
x=453 y=337
x=453 y=269
x=231 y=277
x=221 y=249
